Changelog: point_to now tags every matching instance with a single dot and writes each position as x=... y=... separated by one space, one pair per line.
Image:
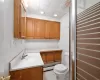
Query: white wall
x=41 y=44
x=64 y=34
x=10 y=46
x=1 y=35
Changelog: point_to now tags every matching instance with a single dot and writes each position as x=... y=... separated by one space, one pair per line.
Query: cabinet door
x=52 y=30
x=48 y=29
x=39 y=29
x=23 y=27
x=56 y=26
x=43 y=55
x=57 y=56
x=55 y=30
x=29 y=28
x=15 y=75
x=35 y=73
x=17 y=16
x=49 y=57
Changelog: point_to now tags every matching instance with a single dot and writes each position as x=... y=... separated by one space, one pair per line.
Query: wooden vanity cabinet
x=56 y=30
x=23 y=27
x=16 y=75
x=39 y=29
x=57 y=56
x=43 y=55
x=30 y=28
x=42 y=29
x=19 y=21
x=35 y=73
x=48 y=29
x=32 y=74
x=35 y=28
x=52 y=30
x=17 y=16
x=51 y=56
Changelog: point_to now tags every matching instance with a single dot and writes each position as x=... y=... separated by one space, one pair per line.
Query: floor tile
x=50 y=75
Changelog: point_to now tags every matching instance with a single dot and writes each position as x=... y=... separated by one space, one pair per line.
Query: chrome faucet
x=24 y=55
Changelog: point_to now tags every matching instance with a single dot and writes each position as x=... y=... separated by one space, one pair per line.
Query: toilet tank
x=66 y=59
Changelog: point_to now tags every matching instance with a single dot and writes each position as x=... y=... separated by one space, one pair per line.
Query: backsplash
x=41 y=44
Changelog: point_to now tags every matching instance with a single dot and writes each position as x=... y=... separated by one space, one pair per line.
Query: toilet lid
x=60 y=68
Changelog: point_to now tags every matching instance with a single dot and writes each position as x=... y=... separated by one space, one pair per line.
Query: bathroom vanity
x=34 y=73
x=31 y=67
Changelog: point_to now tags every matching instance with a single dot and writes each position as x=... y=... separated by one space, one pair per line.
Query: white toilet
x=61 y=70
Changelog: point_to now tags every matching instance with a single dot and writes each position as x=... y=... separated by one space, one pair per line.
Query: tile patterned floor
x=50 y=75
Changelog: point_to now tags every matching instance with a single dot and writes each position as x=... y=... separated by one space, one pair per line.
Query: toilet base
x=62 y=76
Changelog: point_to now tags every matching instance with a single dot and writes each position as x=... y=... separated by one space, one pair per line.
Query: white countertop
x=32 y=60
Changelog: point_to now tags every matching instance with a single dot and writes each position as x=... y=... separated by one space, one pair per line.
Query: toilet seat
x=60 y=68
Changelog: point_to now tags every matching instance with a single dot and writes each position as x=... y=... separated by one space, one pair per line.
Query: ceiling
x=49 y=7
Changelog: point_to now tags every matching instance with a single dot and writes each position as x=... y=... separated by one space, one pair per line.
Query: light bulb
x=42 y=12
x=55 y=15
